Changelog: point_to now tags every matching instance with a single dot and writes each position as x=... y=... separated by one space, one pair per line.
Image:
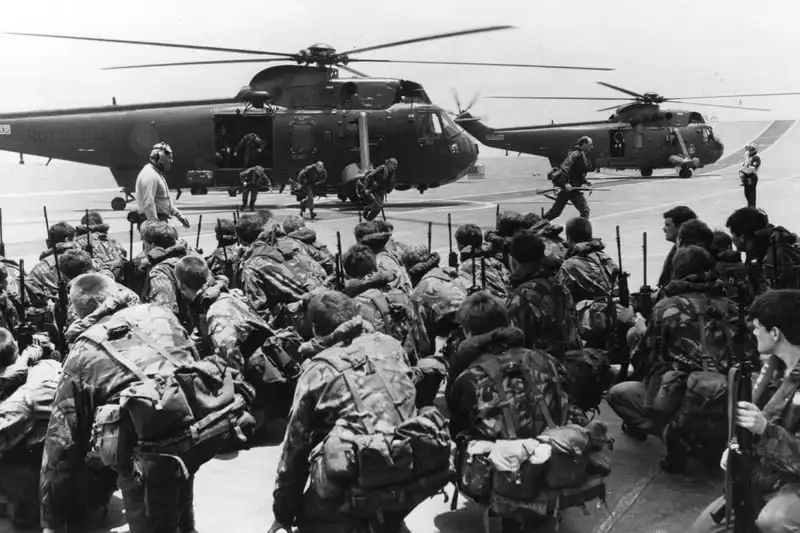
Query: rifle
x=645 y=292
x=228 y=265
x=62 y=290
x=430 y=235
x=475 y=288
x=197 y=240
x=25 y=329
x=2 y=243
x=617 y=345
x=483 y=271
x=775 y=269
x=453 y=256
x=339 y=264
x=89 y=247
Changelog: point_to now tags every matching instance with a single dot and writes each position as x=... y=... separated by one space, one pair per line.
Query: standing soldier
x=152 y=190
x=305 y=187
x=252 y=179
x=253 y=145
x=749 y=173
x=570 y=175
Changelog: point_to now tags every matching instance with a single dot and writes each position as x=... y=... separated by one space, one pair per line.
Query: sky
x=676 y=48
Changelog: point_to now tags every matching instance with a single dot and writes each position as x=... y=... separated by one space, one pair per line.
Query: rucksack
x=717 y=333
x=188 y=410
x=587 y=376
x=700 y=428
x=389 y=466
x=562 y=312
x=569 y=476
x=392 y=315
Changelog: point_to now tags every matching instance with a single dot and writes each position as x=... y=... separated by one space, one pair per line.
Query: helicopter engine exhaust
x=363 y=141
x=681 y=161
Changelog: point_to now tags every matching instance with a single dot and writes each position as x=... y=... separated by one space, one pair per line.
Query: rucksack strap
x=492 y=369
x=381 y=303
x=538 y=396
x=103 y=342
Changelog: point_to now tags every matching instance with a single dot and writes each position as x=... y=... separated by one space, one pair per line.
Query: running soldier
x=252 y=179
x=588 y=272
x=106 y=251
x=572 y=175
x=375 y=186
x=305 y=188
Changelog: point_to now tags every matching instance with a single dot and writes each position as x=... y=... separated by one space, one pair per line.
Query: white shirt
x=152 y=194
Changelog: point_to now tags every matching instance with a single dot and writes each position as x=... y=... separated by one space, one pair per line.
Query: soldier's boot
x=313 y=215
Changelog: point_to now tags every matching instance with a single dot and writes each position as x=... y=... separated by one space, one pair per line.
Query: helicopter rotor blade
x=720 y=105
x=474 y=100
x=353 y=71
x=430 y=38
x=607 y=108
x=731 y=96
x=557 y=98
x=620 y=89
x=472 y=64
x=192 y=63
x=454 y=92
x=154 y=43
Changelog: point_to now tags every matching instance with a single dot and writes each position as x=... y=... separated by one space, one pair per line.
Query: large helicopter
x=303 y=113
x=639 y=135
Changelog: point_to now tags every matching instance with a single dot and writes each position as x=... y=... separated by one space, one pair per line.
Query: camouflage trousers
x=627 y=401
x=781 y=514
x=162 y=501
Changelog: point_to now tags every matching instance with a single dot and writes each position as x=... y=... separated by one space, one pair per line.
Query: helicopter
x=639 y=135
x=302 y=112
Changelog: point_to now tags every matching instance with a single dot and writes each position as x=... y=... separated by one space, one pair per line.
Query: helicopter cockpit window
x=706 y=134
x=436 y=125
x=450 y=127
x=696 y=118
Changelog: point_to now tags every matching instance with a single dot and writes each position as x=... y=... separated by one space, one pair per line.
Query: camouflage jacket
x=543 y=308
x=398 y=250
x=75 y=326
x=318 y=251
x=9 y=316
x=554 y=245
x=497 y=275
x=734 y=273
x=389 y=263
x=779 y=246
x=24 y=415
x=418 y=271
x=267 y=281
x=675 y=336
x=34 y=298
x=321 y=398
x=227 y=324
x=777 y=450
x=304 y=267
x=472 y=398
x=90 y=379
x=437 y=298
x=44 y=276
x=588 y=272
x=107 y=253
x=374 y=292
x=224 y=261
x=161 y=286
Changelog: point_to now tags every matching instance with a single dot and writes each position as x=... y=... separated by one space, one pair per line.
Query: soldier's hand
x=184 y=221
x=567 y=187
x=723 y=462
x=750 y=417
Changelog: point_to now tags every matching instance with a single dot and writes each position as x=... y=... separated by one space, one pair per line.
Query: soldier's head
x=161 y=156
x=416 y=254
x=225 y=232
x=744 y=224
x=88 y=292
x=510 y=222
x=359 y=262
x=248 y=229
x=292 y=223
x=383 y=225
x=585 y=143
x=526 y=248
x=695 y=232
x=776 y=321
x=578 y=230
x=722 y=243
x=469 y=235
x=328 y=310
x=60 y=232
x=362 y=229
x=265 y=215
x=481 y=313
x=391 y=163
x=751 y=149
x=157 y=234
x=674 y=218
x=95 y=219
x=192 y=273
x=320 y=165
x=691 y=260
x=9 y=350
x=75 y=262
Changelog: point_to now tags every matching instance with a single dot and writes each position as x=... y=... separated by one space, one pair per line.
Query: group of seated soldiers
x=521 y=316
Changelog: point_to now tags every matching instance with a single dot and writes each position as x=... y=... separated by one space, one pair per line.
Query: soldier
x=224 y=261
x=106 y=251
x=550 y=233
x=152 y=189
x=61 y=238
x=419 y=262
x=375 y=186
x=766 y=246
x=728 y=267
x=306 y=185
x=675 y=340
x=776 y=428
x=9 y=316
x=252 y=180
x=369 y=234
x=295 y=255
x=163 y=251
x=253 y=146
x=588 y=272
x=749 y=173
x=538 y=304
x=321 y=398
x=264 y=277
x=508 y=223
x=396 y=249
x=295 y=228
x=572 y=174
x=695 y=233
x=673 y=219
x=470 y=242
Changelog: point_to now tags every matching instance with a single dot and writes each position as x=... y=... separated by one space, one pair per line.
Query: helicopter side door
x=616 y=143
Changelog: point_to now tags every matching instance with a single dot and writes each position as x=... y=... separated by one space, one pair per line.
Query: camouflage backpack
x=106 y=254
x=300 y=262
x=562 y=313
x=717 y=334
x=587 y=376
x=384 y=455
x=391 y=312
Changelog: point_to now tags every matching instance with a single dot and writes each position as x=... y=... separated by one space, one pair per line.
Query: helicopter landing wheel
x=118 y=203
x=646 y=172
x=685 y=173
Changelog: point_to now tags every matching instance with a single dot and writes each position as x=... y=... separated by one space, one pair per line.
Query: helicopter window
x=449 y=125
x=696 y=118
x=436 y=125
x=302 y=138
x=706 y=134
